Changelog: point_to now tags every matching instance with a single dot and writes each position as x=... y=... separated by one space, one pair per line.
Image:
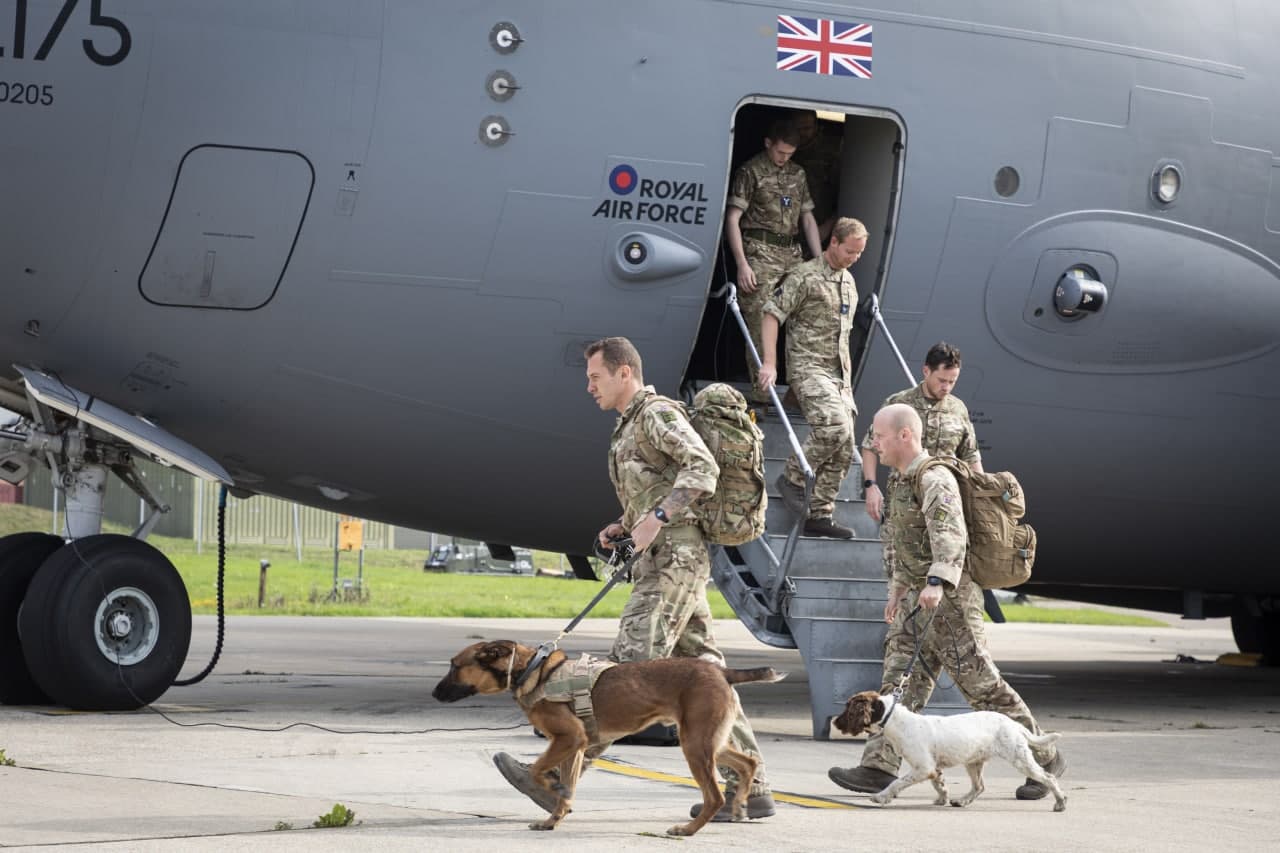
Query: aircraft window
x=1007 y=181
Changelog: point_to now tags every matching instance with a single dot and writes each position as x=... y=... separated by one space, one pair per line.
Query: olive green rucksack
x=735 y=513
x=1001 y=550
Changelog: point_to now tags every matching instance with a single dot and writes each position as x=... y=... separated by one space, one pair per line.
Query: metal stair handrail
x=879 y=318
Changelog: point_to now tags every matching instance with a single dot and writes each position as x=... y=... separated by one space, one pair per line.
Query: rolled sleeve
x=786 y=297
x=742 y=188
x=944 y=519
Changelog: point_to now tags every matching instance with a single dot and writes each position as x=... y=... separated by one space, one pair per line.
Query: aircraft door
x=228 y=233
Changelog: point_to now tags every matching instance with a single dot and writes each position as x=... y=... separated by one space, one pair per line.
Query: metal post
x=200 y=485
x=337 y=521
x=360 y=570
x=297 y=532
x=55 y=506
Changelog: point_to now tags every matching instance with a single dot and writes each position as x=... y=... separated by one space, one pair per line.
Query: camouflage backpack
x=735 y=513
x=1001 y=550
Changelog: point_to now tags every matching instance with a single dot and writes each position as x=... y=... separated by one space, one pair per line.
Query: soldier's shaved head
x=895 y=435
x=900 y=416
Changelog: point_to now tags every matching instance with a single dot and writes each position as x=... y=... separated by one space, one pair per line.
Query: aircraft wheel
x=106 y=624
x=20 y=556
x=1257 y=633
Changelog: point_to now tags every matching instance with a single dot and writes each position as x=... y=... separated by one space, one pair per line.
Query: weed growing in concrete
x=339 y=815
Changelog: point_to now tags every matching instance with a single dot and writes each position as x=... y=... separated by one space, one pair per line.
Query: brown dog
x=696 y=695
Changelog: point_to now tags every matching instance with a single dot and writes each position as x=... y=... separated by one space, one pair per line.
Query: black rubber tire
x=58 y=624
x=1256 y=633
x=21 y=555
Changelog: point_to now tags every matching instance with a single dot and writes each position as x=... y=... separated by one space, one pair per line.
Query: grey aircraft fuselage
x=319 y=242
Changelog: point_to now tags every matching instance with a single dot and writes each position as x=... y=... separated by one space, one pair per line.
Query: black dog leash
x=915 y=658
x=623 y=552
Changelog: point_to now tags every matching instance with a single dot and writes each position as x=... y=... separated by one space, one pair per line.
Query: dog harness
x=571 y=683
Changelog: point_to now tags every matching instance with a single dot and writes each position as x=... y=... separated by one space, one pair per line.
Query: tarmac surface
x=1165 y=753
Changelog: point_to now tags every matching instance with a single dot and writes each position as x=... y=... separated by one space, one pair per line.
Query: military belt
x=766 y=236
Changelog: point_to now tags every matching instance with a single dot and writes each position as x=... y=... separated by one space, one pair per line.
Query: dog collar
x=539 y=657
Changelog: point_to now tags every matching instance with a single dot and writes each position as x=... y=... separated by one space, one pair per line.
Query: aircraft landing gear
x=106 y=624
x=21 y=555
x=1255 y=625
x=94 y=622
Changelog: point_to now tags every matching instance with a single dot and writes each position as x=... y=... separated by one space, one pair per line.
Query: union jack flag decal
x=819 y=46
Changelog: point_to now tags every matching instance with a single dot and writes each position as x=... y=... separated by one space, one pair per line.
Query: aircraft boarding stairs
x=829 y=602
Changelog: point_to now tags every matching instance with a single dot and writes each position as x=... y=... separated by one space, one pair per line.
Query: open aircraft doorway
x=853 y=160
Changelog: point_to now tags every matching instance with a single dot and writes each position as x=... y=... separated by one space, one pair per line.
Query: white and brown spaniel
x=931 y=744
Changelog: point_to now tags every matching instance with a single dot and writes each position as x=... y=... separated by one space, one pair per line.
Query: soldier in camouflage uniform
x=818 y=153
x=927 y=551
x=769 y=207
x=948 y=429
x=659 y=466
x=817 y=301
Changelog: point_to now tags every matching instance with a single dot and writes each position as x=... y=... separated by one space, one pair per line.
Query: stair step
x=836 y=558
x=850 y=489
x=851 y=514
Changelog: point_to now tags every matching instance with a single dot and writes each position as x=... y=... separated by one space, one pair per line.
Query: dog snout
x=451 y=690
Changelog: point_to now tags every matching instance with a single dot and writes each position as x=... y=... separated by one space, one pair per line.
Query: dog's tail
x=1041 y=739
x=744 y=676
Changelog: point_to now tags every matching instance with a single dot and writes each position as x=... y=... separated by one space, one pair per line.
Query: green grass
x=395 y=585
x=1075 y=616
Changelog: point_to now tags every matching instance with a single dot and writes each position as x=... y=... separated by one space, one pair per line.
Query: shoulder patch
x=668 y=416
x=941 y=514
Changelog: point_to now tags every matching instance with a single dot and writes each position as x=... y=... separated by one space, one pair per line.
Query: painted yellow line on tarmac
x=658 y=776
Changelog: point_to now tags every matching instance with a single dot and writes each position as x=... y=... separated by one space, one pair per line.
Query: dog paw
x=680 y=829
x=543 y=825
x=957 y=803
x=1060 y=807
x=879 y=799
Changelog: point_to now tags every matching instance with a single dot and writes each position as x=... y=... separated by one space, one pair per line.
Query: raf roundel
x=623 y=179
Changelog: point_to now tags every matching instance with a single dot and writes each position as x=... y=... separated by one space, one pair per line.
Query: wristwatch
x=661 y=514
x=866 y=484
x=933 y=580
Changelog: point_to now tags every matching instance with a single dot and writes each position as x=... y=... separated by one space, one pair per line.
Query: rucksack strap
x=956 y=467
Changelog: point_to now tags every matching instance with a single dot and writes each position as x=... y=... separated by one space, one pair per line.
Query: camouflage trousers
x=829 y=446
x=956 y=642
x=668 y=616
x=770 y=263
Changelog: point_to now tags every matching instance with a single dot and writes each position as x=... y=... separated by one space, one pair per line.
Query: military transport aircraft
x=347 y=252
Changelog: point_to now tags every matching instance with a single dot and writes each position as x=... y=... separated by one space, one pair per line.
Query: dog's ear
x=497 y=650
x=862 y=711
x=855 y=717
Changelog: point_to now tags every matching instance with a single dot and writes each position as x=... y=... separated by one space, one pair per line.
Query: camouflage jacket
x=948 y=429
x=820 y=302
x=927 y=537
x=655 y=449
x=771 y=198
